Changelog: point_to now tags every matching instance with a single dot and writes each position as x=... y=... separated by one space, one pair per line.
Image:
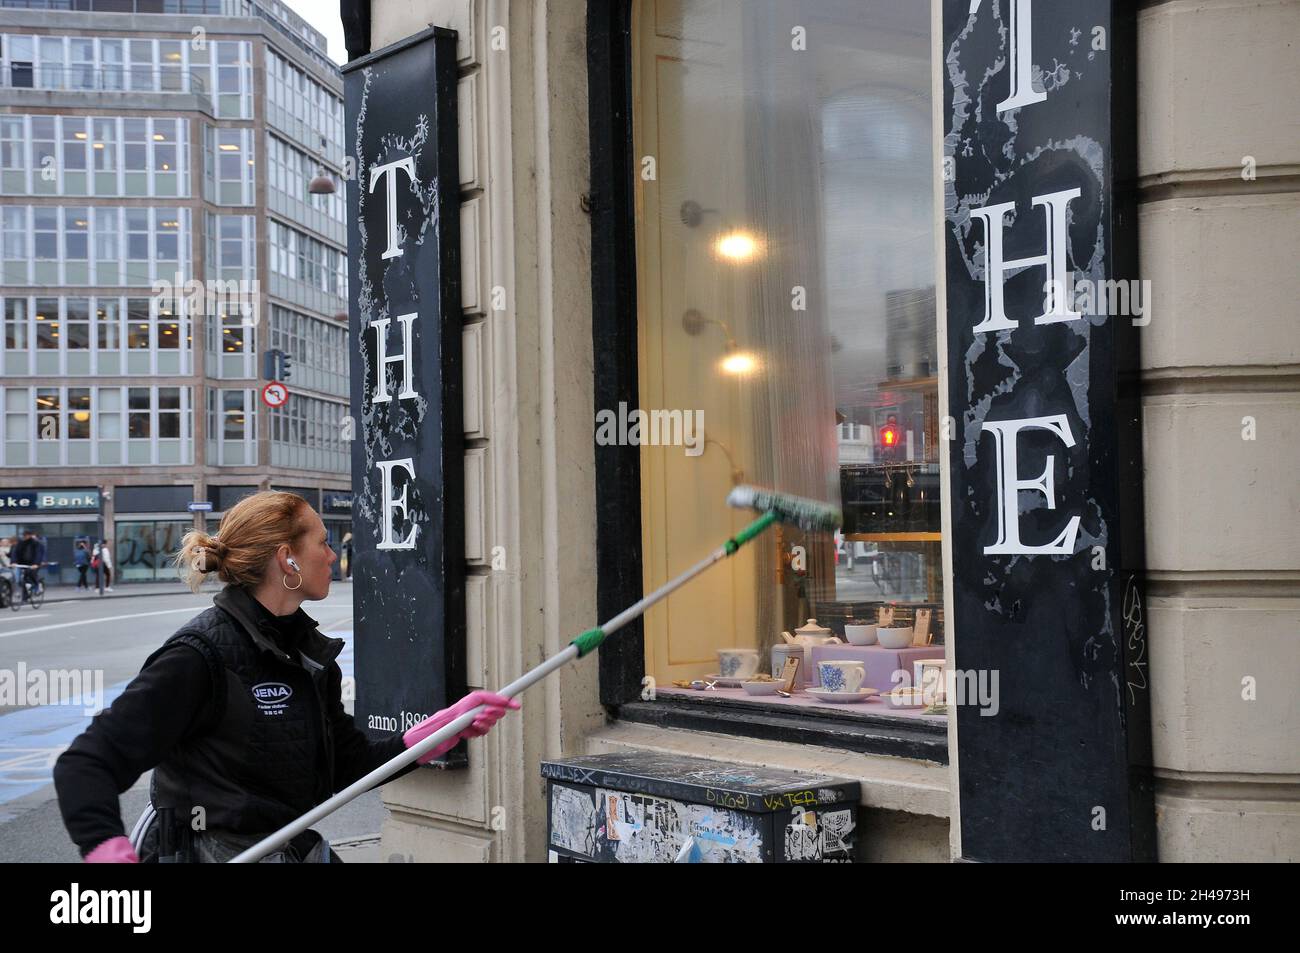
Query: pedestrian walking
x=240 y=712
x=81 y=559
x=106 y=564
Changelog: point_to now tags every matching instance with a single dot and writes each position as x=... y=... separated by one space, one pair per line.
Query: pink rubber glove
x=481 y=725
x=115 y=850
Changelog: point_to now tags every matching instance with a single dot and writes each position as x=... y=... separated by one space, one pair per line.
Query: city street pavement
x=128 y=590
x=108 y=641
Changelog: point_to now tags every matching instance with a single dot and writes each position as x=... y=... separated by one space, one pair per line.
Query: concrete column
x=1219 y=226
x=530 y=495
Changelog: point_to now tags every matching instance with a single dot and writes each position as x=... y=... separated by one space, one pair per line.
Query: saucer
x=861 y=695
x=720 y=682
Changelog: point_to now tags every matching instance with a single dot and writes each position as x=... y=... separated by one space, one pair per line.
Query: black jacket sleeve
x=355 y=755
x=171 y=697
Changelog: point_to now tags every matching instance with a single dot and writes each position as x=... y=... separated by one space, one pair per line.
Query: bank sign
x=408 y=461
x=31 y=501
x=1038 y=169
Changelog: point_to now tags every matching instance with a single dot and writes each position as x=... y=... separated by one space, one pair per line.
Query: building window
x=112 y=64
x=108 y=324
x=144 y=548
x=49 y=416
x=47 y=324
x=169 y=413
x=232 y=432
x=45 y=232
x=778 y=170
x=79 y=415
x=139 y=424
x=231 y=156
x=138 y=324
x=18 y=428
x=16 y=329
x=76 y=239
x=77 y=324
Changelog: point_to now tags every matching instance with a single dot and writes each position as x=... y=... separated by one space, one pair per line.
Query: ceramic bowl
x=895 y=638
x=860 y=634
x=760 y=688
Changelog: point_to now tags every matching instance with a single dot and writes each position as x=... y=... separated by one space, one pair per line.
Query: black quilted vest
x=263 y=755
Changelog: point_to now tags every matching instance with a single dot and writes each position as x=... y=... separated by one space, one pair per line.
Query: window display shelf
x=894 y=537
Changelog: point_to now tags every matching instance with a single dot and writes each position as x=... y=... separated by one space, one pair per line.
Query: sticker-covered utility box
x=649 y=808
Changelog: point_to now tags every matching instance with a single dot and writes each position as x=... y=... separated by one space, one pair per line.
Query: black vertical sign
x=1042 y=316
x=407 y=452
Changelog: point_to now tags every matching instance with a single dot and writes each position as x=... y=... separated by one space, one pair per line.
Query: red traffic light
x=889 y=435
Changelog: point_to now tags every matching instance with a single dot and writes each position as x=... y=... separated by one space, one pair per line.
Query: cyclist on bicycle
x=6 y=572
x=30 y=553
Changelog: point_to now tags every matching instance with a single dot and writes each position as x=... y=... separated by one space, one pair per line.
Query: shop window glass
x=787 y=326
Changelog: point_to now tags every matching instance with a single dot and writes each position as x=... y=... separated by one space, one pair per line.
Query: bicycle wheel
x=38 y=595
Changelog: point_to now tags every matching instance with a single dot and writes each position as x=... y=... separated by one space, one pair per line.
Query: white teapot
x=808 y=636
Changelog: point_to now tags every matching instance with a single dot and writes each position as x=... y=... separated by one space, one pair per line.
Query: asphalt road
x=84 y=653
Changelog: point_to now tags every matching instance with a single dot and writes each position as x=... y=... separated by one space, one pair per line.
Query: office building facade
x=158 y=238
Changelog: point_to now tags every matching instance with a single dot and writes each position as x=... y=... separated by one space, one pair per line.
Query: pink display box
x=880 y=663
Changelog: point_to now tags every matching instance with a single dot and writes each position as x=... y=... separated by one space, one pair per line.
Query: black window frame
x=621 y=659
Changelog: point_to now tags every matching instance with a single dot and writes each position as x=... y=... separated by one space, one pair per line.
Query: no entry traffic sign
x=275 y=394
